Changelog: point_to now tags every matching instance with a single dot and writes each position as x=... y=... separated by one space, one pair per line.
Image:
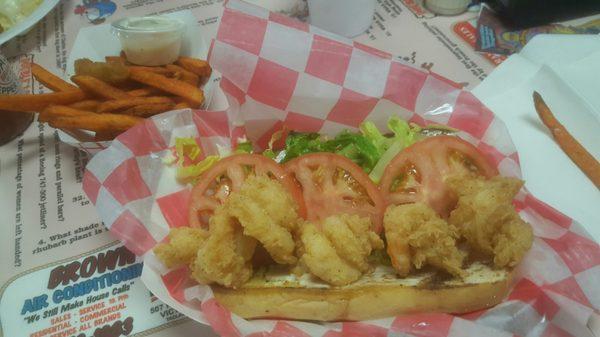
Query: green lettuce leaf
x=186 y=148
x=404 y=135
x=190 y=173
x=244 y=147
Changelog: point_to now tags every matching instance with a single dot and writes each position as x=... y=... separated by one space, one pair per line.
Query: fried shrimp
x=225 y=257
x=182 y=247
x=338 y=252
x=487 y=219
x=352 y=238
x=267 y=213
x=416 y=236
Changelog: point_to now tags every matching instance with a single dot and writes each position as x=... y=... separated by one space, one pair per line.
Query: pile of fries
x=112 y=96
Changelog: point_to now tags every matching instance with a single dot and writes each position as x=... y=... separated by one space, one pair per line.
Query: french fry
x=112 y=73
x=147 y=110
x=197 y=66
x=156 y=70
x=98 y=88
x=176 y=76
x=578 y=154
x=56 y=111
x=49 y=80
x=29 y=103
x=120 y=104
x=186 y=75
x=146 y=91
x=117 y=59
x=88 y=104
x=181 y=105
x=191 y=93
x=105 y=135
x=97 y=122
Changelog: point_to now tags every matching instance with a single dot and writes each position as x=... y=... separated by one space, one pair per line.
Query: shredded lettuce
x=404 y=135
x=369 y=148
x=187 y=154
x=186 y=148
x=403 y=132
x=244 y=147
x=189 y=173
x=372 y=133
x=366 y=148
x=349 y=144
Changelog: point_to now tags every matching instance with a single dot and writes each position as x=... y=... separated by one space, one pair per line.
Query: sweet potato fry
x=98 y=88
x=88 y=105
x=105 y=135
x=49 y=80
x=143 y=92
x=97 y=122
x=56 y=111
x=197 y=66
x=120 y=104
x=578 y=154
x=36 y=103
x=186 y=76
x=112 y=73
x=176 y=76
x=156 y=70
x=191 y=93
x=181 y=105
x=117 y=59
x=147 y=110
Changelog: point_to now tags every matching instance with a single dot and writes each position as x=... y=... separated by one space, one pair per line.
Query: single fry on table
x=578 y=154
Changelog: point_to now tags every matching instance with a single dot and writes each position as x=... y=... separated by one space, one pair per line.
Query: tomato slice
x=333 y=184
x=418 y=172
x=227 y=176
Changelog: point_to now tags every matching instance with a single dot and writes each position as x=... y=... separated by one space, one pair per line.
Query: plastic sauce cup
x=150 y=40
x=348 y=18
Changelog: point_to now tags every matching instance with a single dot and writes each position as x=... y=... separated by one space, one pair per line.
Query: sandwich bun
x=377 y=294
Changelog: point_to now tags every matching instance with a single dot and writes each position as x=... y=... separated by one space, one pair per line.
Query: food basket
x=278 y=71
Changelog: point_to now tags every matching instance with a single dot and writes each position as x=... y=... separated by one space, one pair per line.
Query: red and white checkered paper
x=279 y=71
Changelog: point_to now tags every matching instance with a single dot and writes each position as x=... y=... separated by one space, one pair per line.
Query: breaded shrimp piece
x=352 y=238
x=182 y=247
x=225 y=257
x=487 y=218
x=417 y=236
x=323 y=261
x=338 y=252
x=267 y=213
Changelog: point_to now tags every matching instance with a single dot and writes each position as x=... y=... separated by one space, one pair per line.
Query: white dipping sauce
x=150 y=40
